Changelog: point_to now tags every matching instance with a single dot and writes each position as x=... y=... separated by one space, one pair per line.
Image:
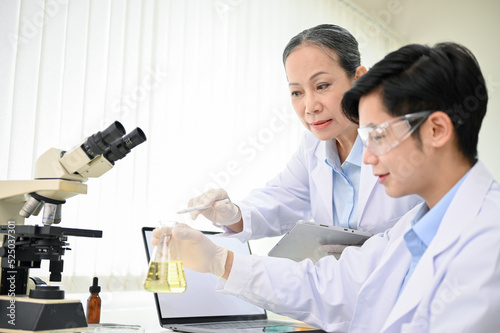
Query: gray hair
x=333 y=38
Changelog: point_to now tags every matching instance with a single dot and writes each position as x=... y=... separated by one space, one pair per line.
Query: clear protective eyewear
x=382 y=138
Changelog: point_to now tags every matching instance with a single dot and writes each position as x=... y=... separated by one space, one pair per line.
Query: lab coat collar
x=462 y=210
x=367 y=179
x=332 y=156
x=356 y=155
x=324 y=185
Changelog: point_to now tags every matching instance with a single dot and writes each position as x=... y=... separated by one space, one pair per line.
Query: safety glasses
x=382 y=138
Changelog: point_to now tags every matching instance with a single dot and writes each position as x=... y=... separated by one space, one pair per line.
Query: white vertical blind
x=203 y=79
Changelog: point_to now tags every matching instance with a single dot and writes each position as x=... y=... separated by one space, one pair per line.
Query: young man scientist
x=438 y=269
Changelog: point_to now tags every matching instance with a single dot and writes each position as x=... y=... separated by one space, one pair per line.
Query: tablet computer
x=304 y=240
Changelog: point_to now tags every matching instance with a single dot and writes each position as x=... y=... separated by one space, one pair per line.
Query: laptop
x=304 y=240
x=201 y=309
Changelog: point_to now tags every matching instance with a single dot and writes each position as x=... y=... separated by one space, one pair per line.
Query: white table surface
x=126 y=308
x=132 y=308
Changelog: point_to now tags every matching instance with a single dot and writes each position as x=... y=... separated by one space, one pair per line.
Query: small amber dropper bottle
x=94 y=303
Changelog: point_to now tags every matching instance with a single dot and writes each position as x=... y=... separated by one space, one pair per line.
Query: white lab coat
x=454 y=288
x=303 y=191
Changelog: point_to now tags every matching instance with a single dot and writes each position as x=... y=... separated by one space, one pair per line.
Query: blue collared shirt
x=425 y=225
x=345 y=183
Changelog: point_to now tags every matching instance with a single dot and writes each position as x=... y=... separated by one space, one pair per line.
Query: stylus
x=200 y=207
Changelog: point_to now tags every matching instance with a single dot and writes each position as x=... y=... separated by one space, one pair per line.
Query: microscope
x=28 y=304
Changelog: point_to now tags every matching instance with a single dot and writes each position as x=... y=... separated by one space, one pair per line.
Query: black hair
x=446 y=77
x=332 y=37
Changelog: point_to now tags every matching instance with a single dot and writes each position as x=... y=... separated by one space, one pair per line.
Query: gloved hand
x=197 y=252
x=334 y=249
x=219 y=212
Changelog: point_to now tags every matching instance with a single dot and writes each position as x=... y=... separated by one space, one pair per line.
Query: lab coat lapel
x=374 y=307
x=462 y=210
x=413 y=292
x=367 y=184
x=322 y=178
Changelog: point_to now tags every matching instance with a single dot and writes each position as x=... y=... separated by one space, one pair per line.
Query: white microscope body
x=59 y=175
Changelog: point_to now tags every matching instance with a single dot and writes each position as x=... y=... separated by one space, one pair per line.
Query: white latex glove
x=334 y=249
x=197 y=252
x=219 y=212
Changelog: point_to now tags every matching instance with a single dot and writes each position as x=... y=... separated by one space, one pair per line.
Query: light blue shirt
x=345 y=183
x=425 y=225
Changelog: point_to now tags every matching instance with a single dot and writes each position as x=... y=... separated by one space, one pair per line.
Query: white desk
x=132 y=308
x=127 y=308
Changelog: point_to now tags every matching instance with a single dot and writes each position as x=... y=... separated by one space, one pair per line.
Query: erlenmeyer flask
x=166 y=272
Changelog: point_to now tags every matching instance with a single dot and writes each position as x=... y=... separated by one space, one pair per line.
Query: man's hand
x=197 y=252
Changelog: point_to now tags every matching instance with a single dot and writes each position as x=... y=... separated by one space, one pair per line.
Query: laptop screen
x=200 y=302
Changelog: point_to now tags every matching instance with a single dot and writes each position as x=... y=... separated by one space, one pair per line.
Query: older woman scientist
x=325 y=180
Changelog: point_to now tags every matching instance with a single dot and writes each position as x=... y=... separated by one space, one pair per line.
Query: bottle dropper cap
x=94 y=288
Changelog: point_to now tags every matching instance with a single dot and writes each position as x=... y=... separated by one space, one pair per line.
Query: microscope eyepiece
x=96 y=155
x=97 y=143
x=134 y=138
x=122 y=146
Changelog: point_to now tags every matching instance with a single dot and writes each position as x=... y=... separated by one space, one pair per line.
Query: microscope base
x=24 y=314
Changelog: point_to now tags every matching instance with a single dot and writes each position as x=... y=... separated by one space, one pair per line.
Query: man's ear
x=440 y=129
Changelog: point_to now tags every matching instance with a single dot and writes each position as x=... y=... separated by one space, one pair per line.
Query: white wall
x=203 y=79
x=475 y=24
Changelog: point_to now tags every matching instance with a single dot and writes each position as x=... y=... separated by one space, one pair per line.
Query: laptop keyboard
x=240 y=324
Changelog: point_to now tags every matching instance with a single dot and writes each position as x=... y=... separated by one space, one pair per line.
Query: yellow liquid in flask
x=166 y=277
